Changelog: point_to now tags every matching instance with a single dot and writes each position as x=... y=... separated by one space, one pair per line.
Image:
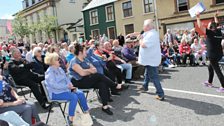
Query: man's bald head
x=148 y=24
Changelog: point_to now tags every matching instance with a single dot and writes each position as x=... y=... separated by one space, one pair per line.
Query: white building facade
x=67 y=12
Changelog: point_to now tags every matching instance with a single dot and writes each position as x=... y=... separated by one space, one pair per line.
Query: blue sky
x=9 y=7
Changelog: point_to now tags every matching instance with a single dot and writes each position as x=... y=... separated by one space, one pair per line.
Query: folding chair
x=95 y=90
x=53 y=102
x=14 y=85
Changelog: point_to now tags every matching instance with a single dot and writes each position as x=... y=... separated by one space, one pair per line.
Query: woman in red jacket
x=185 y=51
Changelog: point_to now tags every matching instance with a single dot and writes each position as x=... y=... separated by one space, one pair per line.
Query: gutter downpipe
x=156 y=15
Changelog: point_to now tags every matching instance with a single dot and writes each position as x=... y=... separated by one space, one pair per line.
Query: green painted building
x=99 y=19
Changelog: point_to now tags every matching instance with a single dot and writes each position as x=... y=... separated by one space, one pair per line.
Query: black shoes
x=129 y=82
x=70 y=123
x=110 y=100
x=107 y=110
x=115 y=93
x=123 y=87
x=44 y=106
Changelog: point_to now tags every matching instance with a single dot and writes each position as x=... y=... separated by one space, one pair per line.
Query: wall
x=4 y=33
x=167 y=15
x=102 y=25
x=69 y=12
x=137 y=19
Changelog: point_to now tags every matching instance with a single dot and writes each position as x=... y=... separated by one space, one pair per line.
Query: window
x=71 y=1
x=111 y=32
x=109 y=13
x=148 y=6
x=219 y=1
x=93 y=17
x=96 y=33
x=182 y=5
x=127 y=9
x=129 y=28
x=33 y=2
x=27 y=3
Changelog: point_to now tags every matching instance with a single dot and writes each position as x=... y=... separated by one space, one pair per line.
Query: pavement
x=188 y=103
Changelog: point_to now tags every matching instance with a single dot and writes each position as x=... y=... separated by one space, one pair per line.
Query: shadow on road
x=199 y=107
x=125 y=107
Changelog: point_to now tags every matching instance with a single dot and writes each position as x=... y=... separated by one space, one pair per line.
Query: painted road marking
x=189 y=92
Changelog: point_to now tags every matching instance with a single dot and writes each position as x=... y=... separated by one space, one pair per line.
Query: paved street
x=187 y=103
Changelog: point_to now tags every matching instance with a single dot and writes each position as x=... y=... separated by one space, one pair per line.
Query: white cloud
x=7 y=16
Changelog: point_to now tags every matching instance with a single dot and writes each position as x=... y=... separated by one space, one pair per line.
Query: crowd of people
x=176 y=48
x=105 y=65
x=65 y=70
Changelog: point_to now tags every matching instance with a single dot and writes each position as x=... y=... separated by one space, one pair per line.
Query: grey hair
x=35 y=50
x=70 y=47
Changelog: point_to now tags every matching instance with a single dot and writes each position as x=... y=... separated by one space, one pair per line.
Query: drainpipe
x=55 y=14
x=156 y=15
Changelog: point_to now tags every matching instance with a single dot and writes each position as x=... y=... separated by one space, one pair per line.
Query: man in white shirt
x=150 y=57
x=29 y=55
x=64 y=50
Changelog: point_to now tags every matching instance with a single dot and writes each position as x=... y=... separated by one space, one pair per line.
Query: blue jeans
x=151 y=73
x=128 y=68
x=72 y=98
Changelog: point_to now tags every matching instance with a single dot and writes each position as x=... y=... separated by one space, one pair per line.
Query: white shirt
x=196 y=48
x=64 y=52
x=151 y=55
x=29 y=56
x=5 y=53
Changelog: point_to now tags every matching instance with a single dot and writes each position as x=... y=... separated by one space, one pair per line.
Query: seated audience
x=16 y=121
x=185 y=51
x=64 y=50
x=38 y=65
x=60 y=87
x=4 y=51
x=165 y=59
x=128 y=52
x=120 y=63
x=198 y=52
x=29 y=55
x=173 y=55
x=62 y=60
x=70 y=55
x=117 y=48
x=113 y=70
x=84 y=75
x=10 y=101
x=20 y=70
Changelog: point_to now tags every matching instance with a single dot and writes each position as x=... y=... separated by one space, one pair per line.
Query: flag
x=9 y=26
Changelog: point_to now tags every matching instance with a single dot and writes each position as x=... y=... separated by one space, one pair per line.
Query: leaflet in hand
x=199 y=7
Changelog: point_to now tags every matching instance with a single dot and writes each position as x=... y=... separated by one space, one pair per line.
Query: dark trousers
x=191 y=57
x=34 y=83
x=214 y=65
x=97 y=81
x=115 y=72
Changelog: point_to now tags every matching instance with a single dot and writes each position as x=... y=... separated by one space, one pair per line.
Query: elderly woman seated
x=10 y=101
x=60 y=87
x=38 y=64
x=84 y=75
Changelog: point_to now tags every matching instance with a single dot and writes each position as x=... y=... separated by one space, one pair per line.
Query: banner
x=9 y=26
